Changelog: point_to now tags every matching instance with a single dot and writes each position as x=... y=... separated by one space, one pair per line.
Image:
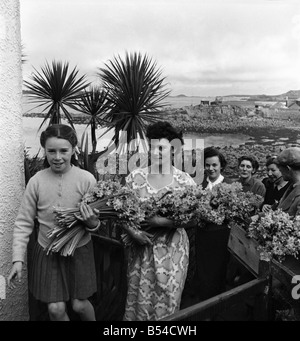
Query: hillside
x=291 y=94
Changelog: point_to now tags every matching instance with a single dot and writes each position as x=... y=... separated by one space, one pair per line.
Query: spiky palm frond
x=93 y=102
x=136 y=89
x=55 y=89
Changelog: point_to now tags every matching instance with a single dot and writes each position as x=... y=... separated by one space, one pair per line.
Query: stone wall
x=223 y=112
x=282 y=114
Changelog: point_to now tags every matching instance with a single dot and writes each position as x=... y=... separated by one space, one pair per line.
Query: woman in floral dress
x=156 y=277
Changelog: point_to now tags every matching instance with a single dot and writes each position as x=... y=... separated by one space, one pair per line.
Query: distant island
x=181 y=95
x=291 y=94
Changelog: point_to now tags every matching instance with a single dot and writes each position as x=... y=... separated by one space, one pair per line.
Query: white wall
x=13 y=303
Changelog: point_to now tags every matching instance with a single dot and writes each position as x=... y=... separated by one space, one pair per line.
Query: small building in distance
x=292 y=103
x=294 y=106
x=204 y=102
x=217 y=101
x=279 y=105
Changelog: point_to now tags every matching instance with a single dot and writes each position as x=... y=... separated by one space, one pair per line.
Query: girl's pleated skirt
x=55 y=278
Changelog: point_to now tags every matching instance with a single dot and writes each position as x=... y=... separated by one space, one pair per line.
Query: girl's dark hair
x=253 y=161
x=163 y=130
x=211 y=152
x=61 y=131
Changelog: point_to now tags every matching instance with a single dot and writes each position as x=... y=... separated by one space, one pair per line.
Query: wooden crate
x=244 y=249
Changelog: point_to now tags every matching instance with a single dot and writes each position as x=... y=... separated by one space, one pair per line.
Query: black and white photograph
x=150 y=163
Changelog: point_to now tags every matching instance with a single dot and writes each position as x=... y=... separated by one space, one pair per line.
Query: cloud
x=216 y=43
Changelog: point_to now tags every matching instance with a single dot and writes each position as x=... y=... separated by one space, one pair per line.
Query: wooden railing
x=272 y=278
x=109 y=301
x=213 y=306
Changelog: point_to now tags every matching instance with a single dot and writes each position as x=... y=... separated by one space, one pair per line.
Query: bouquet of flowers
x=226 y=203
x=111 y=199
x=178 y=204
x=277 y=234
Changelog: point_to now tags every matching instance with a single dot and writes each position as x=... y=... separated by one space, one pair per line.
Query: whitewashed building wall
x=13 y=303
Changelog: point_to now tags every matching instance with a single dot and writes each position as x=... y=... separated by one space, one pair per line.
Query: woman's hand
x=89 y=216
x=16 y=272
x=157 y=222
x=266 y=208
x=142 y=237
x=255 y=217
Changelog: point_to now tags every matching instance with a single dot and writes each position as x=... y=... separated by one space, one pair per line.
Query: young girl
x=56 y=279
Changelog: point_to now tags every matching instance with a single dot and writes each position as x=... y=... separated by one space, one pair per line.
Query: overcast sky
x=204 y=47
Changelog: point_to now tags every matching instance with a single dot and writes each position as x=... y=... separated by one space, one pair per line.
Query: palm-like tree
x=93 y=102
x=136 y=89
x=55 y=89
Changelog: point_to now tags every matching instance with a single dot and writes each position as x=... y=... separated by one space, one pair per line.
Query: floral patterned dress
x=156 y=278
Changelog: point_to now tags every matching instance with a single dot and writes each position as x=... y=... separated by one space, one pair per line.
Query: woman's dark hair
x=253 y=161
x=163 y=130
x=61 y=131
x=211 y=152
x=271 y=160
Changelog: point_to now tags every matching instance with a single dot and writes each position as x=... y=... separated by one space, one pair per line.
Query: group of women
x=215 y=269
x=157 y=277
x=157 y=280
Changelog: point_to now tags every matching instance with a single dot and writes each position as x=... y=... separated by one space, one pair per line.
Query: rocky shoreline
x=229 y=120
x=213 y=119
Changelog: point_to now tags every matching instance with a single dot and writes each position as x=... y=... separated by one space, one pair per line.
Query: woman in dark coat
x=237 y=274
x=248 y=166
x=274 y=183
x=289 y=165
x=211 y=241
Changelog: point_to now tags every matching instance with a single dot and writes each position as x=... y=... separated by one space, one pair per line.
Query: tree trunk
x=13 y=303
